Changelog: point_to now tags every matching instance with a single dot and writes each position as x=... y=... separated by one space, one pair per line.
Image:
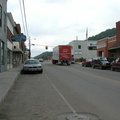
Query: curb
x=12 y=83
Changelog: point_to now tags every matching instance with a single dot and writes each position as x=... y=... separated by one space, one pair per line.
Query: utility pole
x=29 y=47
x=87 y=43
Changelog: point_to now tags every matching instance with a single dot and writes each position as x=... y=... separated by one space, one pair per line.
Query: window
x=79 y=46
x=8 y=56
x=0 y=16
x=2 y=53
x=5 y=22
x=92 y=48
x=103 y=59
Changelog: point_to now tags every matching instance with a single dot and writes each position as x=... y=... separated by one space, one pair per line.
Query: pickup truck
x=115 y=64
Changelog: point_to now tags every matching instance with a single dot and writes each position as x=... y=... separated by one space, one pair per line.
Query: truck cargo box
x=61 y=54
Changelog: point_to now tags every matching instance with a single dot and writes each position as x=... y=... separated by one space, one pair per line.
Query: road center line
x=71 y=108
x=101 y=77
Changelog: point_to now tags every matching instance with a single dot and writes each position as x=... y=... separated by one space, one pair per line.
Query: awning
x=115 y=46
x=17 y=50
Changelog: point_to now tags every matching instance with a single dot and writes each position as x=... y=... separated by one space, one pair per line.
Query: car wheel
x=112 y=68
x=101 y=67
x=41 y=71
x=68 y=63
x=85 y=65
x=22 y=72
x=93 y=66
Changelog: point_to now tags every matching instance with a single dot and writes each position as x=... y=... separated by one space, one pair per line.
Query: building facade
x=3 y=32
x=83 y=49
x=103 y=45
x=115 y=48
x=15 y=50
x=110 y=47
x=10 y=29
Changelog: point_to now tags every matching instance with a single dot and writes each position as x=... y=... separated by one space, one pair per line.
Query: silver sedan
x=32 y=65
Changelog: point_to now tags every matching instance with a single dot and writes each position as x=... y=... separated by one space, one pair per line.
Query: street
x=63 y=91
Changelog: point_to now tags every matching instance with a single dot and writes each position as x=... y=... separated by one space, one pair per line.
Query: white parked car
x=32 y=65
x=40 y=60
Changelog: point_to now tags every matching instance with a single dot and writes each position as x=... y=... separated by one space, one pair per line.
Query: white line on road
x=71 y=108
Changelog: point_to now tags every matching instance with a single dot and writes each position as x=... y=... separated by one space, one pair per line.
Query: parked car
x=32 y=65
x=87 y=63
x=115 y=64
x=41 y=60
x=100 y=62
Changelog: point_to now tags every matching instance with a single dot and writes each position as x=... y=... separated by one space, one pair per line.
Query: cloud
x=54 y=22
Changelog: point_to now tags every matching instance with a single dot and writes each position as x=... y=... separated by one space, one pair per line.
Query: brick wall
x=118 y=31
x=111 y=41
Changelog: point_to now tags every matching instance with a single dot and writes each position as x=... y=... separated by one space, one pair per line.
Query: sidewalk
x=7 y=80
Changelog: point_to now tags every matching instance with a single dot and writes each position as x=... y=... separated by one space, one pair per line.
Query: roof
x=115 y=46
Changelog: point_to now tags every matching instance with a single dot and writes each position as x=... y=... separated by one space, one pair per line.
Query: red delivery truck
x=61 y=54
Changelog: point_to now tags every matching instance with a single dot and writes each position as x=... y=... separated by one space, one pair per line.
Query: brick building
x=110 y=47
x=15 y=50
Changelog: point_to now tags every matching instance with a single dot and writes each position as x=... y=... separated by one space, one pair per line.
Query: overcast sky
x=58 y=22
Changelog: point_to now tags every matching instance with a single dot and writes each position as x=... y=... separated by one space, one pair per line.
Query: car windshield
x=89 y=60
x=103 y=59
x=31 y=62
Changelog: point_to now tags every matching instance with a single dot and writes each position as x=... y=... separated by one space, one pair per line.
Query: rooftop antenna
x=76 y=37
x=87 y=34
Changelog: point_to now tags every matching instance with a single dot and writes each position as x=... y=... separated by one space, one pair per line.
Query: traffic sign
x=18 y=38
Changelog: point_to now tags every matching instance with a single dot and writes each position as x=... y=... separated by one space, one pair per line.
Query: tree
x=104 y=34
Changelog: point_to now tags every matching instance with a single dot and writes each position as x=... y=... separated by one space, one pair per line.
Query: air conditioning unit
x=15 y=47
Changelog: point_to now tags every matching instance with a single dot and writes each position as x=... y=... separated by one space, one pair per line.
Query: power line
x=23 y=13
x=25 y=17
x=22 y=17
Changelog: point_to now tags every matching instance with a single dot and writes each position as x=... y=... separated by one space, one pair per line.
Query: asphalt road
x=64 y=92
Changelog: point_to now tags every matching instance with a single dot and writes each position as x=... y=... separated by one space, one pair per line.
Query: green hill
x=104 y=34
x=43 y=55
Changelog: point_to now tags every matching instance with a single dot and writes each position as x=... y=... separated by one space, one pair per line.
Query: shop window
x=2 y=53
x=92 y=48
x=8 y=56
x=0 y=16
x=5 y=27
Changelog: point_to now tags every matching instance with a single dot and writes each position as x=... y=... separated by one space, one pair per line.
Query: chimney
x=118 y=31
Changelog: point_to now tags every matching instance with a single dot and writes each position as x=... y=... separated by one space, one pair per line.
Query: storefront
x=9 y=55
x=115 y=50
x=17 y=57
x=2 y=56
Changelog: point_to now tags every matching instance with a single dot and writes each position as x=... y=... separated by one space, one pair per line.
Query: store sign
x=92 y=44
x=18 y=38
x=78 y=53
